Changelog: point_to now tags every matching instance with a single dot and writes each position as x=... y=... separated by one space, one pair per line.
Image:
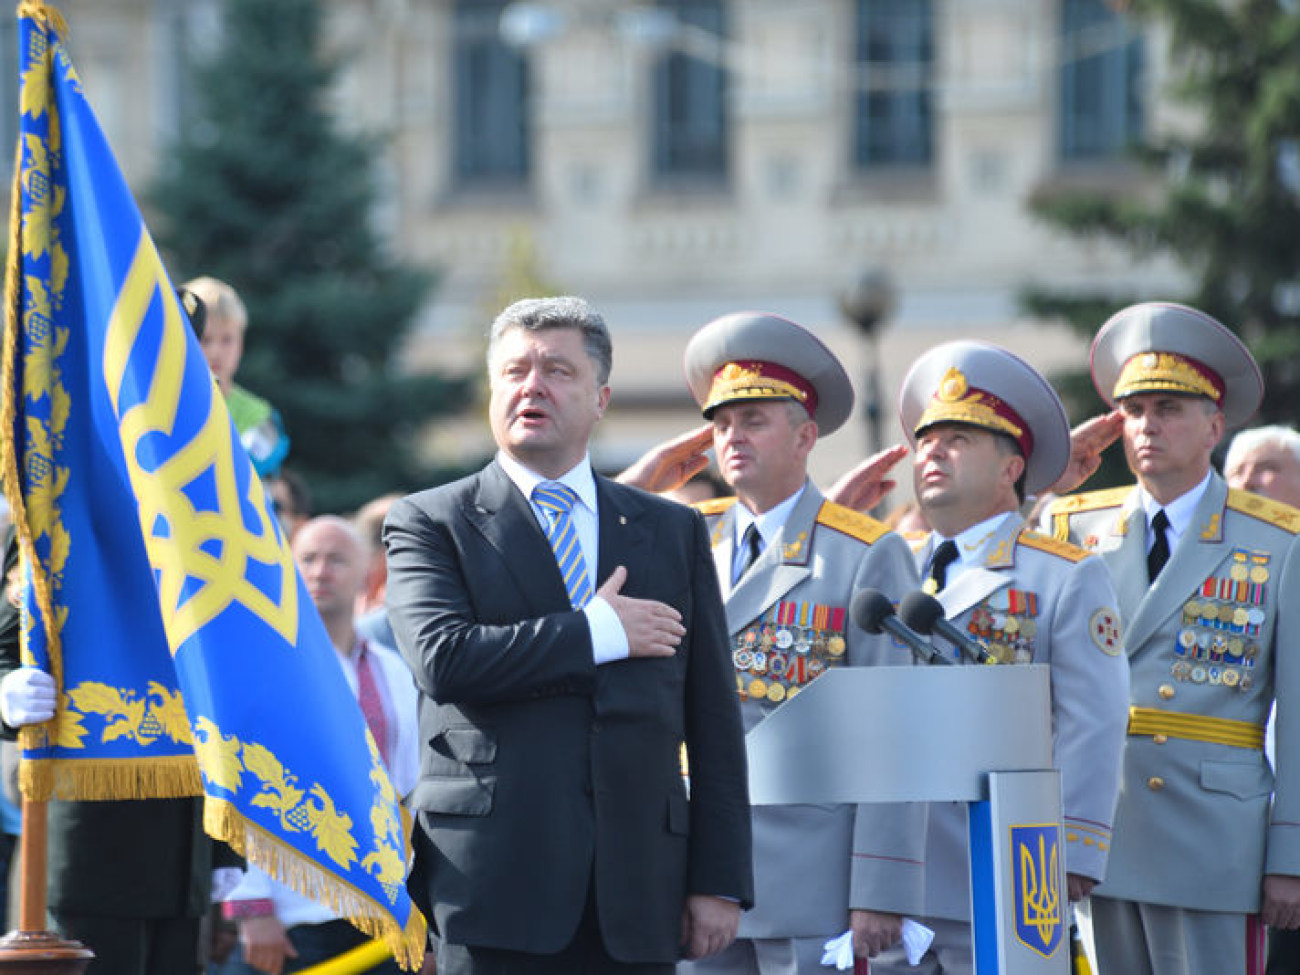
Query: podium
x=980 y=735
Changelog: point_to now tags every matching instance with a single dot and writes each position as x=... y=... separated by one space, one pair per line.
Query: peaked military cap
x=986 y=386
x=752 y=355
x=1159 y=347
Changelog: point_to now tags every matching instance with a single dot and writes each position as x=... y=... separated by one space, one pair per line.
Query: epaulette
x=1090 y=500
x=1266 y=509
x=852 y=523
x=1054 y=546
x=713 y=506
x=915 y=540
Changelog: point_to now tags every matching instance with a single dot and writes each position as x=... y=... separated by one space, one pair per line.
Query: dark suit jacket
x=539 y=770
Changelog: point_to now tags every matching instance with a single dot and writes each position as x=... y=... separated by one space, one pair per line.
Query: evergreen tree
x=263 y=191
x=1228 y=201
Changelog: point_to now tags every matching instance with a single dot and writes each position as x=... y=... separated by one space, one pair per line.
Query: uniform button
x=1166 y=691
x=1160 y=739
x=1155 y=783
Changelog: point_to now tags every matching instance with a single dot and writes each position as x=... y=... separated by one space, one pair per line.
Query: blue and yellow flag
x=159 y=591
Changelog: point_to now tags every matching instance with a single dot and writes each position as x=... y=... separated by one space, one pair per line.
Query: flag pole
x=32 y=950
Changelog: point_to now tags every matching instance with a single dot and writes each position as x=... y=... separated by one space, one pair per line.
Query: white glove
x=26 y=697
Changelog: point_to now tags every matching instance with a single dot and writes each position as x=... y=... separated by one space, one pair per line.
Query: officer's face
x=1167 y=435
x=762 y=449
x=1270 y=469
x=962 y=475
x=545 y=399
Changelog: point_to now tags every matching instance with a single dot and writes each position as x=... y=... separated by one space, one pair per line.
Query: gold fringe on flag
x=280 y=861
x=171 y=777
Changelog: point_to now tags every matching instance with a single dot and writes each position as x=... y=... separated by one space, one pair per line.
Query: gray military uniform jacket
x=1031 y=599
x=1195 y=827
x=788 y=620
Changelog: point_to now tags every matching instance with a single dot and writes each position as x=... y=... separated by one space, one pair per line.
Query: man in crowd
x=985 y=428
x=1206 y=579
x=1265 y=460
x=372 y=604
x=279 y=929
x=258 y=422
x=789 y=563
x=566 y=634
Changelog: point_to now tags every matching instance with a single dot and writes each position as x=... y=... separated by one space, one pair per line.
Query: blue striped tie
x=557 y=501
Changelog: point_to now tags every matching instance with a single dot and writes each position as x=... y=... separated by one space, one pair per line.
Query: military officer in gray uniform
x=1209 y=587
x=984 y=428
x=789 y=563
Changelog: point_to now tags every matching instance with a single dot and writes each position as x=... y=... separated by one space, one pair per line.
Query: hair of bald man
x=1273 y=435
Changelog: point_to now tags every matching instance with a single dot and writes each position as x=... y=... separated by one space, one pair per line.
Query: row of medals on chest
x=1213 y=645
x=785 y=655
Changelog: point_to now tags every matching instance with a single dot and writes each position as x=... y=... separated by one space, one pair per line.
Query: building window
x=690 y=108
x=491 y=91
x=1101 y=67
x=894 y=123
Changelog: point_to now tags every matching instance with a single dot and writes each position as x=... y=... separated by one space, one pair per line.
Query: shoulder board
x=1265 y=509
x=1090 y=500
x=862 y=527
x=713 y=506
x=1054 y=546
x=916 y=540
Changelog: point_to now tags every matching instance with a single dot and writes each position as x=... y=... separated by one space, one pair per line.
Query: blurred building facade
x=679 y=159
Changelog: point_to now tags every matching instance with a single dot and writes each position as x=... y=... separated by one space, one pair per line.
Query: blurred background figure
x=372 y=603
x=1265 y=460
x=257 y=421
x=704 y=486
x=290 y=500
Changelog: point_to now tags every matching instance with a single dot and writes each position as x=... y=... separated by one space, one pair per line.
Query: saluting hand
x=1087 y=441
x=866 y=485
x=672 y=463
x=653 y=629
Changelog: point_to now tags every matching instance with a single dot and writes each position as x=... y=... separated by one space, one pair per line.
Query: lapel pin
x=622 y=519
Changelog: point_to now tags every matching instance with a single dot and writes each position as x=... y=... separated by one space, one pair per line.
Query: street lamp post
x=867 y=303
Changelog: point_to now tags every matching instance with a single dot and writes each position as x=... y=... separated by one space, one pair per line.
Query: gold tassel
x=176 y=777
x=282 y=862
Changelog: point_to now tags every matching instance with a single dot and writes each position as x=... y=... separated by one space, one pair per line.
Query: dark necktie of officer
x=944 y=556
x=1159 y=554
x=752 y=544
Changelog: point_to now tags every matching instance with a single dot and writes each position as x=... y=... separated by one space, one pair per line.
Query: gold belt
x=1195 y=727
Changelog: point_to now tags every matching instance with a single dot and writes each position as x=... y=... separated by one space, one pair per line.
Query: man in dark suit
x=567 y=637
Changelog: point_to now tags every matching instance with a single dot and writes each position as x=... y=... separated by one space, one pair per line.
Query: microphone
x=872 y=610
x=923 y=613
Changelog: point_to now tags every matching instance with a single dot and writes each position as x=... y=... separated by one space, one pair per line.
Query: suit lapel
x=506 y=520
x=781 y=567
x=723 y=544
x=624 y=532
x=1195 y=557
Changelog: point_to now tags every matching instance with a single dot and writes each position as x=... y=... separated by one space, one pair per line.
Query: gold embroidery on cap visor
x=736 y=382
x=1149 y=372
x=955 y=402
